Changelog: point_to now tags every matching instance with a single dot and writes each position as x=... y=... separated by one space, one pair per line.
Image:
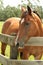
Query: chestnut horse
x=10 y=26
x=30 y=26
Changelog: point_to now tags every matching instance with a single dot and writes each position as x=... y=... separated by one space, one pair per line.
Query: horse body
x=10 y=26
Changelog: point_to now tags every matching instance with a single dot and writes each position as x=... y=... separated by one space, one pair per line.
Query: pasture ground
x=7 y=52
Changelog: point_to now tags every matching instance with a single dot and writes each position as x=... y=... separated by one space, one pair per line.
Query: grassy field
x=7 y=52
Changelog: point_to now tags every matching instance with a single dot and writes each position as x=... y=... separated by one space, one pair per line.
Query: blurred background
x=11 y=8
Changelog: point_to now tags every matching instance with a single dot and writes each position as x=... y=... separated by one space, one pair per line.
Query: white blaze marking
x=16 y=39
x=22 y=21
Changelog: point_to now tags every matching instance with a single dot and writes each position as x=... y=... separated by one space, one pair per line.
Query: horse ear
x=29 y=10
x=23 y=9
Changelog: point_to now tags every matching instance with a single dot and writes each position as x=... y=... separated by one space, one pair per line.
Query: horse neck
x=42 y=29
x=39 y=22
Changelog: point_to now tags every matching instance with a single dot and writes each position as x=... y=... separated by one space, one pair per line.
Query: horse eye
x=26 y=24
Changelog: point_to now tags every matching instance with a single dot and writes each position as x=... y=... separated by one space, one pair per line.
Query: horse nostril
x=17 y=44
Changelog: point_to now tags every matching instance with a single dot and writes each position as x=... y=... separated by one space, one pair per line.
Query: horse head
x=28 y=26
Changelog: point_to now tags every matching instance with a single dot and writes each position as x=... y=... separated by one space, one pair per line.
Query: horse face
x=27 y=27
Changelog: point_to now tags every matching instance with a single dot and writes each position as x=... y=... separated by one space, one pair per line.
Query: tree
x=9 y=12
x=1 y=4
x=35 y=7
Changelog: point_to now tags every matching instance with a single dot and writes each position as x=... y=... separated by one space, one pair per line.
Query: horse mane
x=25 y=13
x=37 y=14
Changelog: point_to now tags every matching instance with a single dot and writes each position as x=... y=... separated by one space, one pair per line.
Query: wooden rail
x=7 y=39
x=33 y=41
x=6 y=61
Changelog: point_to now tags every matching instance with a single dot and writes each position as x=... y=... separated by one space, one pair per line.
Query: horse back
x=11 y=25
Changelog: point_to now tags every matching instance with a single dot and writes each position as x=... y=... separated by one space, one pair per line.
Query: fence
x=34 y=41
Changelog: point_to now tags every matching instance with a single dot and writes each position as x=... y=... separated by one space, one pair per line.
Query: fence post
x=14 y=51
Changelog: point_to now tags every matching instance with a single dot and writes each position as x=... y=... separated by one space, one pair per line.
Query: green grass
x=7 y=52
x=1 y=23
